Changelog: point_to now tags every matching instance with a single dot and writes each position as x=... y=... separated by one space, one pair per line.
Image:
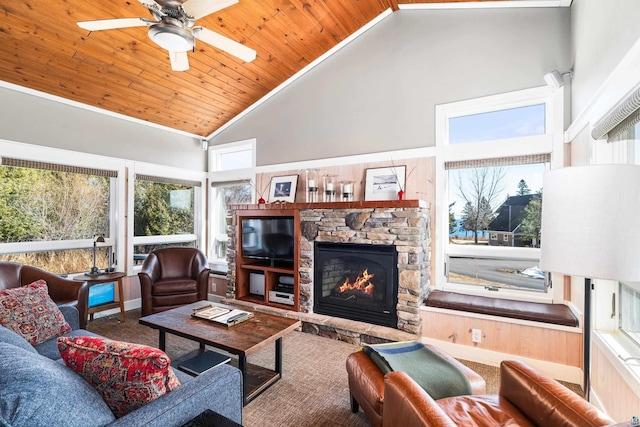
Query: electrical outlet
x=476 y=335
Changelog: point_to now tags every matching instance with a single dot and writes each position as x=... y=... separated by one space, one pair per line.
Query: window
x=167 y=209
x=225 y=195
x=50 y=213
x=630 y=310
x=232 y=182
x=491 y=154
x=629 y=293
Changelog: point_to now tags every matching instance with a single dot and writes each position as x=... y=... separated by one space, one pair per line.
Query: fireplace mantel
x=373 y=204
x=402 y=223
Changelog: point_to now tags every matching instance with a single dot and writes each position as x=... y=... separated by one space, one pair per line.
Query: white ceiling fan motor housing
x=171 y=36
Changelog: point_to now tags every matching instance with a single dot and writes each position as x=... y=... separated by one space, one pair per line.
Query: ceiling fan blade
x=150 y=3
x=224 y=43
x=179 y=61
x=199 y=8
x=112 y=24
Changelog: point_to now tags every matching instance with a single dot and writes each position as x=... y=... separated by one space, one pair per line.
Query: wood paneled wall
x=419 y=183
x=554 y=345
x=620 y=401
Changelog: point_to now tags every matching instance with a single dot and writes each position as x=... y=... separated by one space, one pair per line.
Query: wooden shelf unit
x=272 y=273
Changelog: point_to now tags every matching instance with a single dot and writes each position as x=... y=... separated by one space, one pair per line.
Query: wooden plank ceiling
x=123 y=71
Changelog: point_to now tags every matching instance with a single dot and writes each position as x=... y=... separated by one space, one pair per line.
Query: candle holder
x=312 y=185
x=329 y=188
x=346 y=190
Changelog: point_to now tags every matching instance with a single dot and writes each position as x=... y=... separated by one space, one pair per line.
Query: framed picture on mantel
x=283 y=189
x=384 y=183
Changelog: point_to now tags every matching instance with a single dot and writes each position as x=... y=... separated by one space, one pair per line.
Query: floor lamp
x=590 y=229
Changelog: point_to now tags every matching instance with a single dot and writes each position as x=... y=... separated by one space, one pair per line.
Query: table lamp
x=589 y=229
x=95 y=271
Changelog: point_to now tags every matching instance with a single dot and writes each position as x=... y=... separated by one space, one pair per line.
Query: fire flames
x=361 y=284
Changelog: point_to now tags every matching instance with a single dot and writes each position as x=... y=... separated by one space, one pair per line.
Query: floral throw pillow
x=30 y=312
x=126 y=375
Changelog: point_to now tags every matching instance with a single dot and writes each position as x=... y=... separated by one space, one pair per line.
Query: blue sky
x=515 y=122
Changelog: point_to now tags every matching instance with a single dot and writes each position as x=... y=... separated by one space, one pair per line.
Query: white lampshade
x=590 y=224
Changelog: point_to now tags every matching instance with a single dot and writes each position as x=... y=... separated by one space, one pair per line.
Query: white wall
x=379 y=92
x=35 y=120
x=602 y=32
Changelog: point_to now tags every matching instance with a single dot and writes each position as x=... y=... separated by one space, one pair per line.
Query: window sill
x=218 y=267
x=505 y=293
x=616 y=347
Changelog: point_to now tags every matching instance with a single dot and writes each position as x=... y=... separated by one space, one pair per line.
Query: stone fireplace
x=399 y=226
x=406 y=229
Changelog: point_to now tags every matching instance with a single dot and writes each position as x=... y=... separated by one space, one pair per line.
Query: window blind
x=499 y=161
x=20 y=163
x=167 y=180
x=621 y=118
x=233 y=183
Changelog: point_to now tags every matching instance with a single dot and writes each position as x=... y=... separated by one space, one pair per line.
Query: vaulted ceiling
x=123 y=71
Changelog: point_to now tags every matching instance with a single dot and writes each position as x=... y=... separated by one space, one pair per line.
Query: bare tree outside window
x=481 y=189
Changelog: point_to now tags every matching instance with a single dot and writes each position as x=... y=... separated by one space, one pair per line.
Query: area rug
x=313 y=391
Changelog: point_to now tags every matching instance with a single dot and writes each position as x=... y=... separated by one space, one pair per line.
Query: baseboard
x=560 y=372
x=131 y=304
x=215 y=298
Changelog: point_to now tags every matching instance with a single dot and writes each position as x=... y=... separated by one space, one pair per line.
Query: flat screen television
x=268 y=238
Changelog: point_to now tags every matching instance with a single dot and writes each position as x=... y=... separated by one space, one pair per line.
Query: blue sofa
x=37 y=389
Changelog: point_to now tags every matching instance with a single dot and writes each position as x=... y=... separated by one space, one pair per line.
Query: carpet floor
x=313 y=390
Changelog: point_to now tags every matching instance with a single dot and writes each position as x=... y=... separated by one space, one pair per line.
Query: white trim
x=169 y=172
x=32 y=152
x=302 y=72
x=199 y=215
x=486 y=5
x=382 y=156
x=93 y=109
x=40 y=153
x=131 y=304
x=216 y=150
x=571 y=374
x=550 y=142
x=616 y=347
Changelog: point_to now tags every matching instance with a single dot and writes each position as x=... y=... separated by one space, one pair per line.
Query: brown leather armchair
x=171 y=277
x=366 y=384
x=62 y=291
x=526 y=398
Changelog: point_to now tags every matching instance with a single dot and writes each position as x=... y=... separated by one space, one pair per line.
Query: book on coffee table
x=224 y=315
x=210 y=311
x=203 y=362
x=233 y=317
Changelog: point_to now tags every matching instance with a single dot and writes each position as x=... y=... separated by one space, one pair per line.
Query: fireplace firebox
x=357 y=282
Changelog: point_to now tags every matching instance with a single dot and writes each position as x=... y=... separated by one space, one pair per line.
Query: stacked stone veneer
x=405 y=228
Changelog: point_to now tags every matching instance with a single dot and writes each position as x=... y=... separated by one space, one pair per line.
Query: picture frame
x=283 y=189
x=384 y=183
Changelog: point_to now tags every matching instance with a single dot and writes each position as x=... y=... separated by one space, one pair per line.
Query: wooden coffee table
x=240 y=340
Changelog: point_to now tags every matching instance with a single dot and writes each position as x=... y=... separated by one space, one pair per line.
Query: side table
x=104 y=278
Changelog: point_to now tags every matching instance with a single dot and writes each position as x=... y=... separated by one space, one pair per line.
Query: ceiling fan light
x=171 y=38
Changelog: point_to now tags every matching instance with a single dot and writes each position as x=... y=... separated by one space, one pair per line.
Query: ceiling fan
x=173 y=28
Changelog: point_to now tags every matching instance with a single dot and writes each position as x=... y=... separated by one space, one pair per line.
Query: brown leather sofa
x=366 y=384
x=526 y=398
x=171 y=277
x=62 y=291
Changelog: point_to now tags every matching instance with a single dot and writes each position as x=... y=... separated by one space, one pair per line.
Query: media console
x=279 y=286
